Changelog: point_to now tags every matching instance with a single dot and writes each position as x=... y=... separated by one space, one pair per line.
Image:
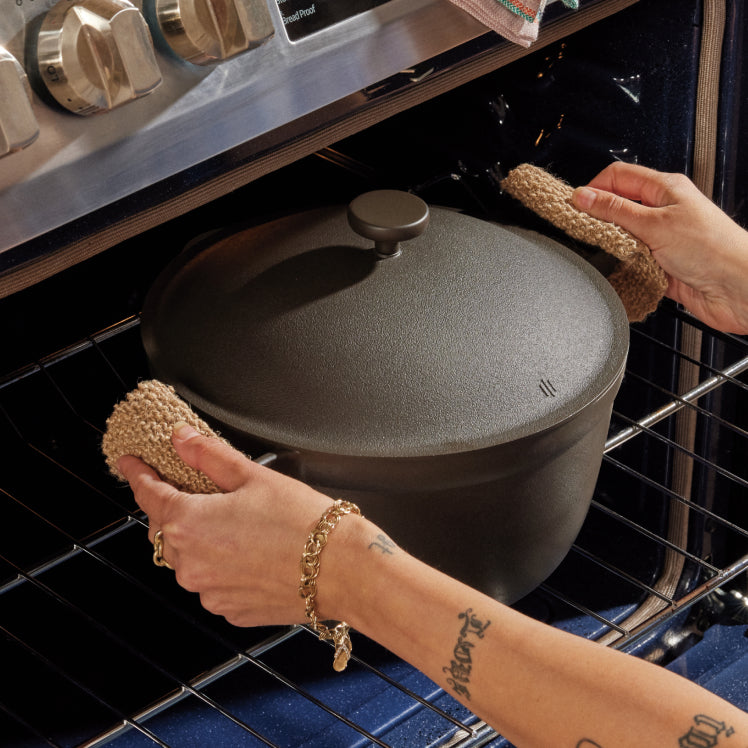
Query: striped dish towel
x=516 y=20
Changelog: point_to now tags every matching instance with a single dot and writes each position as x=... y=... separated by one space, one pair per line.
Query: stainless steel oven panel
x=79 y=164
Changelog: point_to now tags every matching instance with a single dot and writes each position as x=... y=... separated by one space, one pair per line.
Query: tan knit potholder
x=639 y=281
x=141 y=425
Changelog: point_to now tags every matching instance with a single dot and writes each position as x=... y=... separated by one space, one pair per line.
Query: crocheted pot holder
x=638 y=279
x=141 y=425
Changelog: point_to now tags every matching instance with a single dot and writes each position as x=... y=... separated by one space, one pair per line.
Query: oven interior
x=98 y=646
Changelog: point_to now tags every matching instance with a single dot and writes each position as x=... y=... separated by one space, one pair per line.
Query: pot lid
x=301 y=334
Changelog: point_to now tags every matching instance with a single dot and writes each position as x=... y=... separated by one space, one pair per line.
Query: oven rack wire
x=633 y=605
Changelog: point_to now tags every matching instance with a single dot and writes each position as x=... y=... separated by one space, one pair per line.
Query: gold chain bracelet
x=317 y=540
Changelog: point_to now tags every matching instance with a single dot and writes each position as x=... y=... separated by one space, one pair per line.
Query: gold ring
x=158 y=551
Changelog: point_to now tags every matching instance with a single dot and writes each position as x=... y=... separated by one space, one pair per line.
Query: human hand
x=240 y=550
x=702 y=250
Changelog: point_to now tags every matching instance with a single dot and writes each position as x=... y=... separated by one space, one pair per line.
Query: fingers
x=634 y=182
x=225 y=466
x=608 y=206
x=228 y=468
x=152 y=494
x=643 y=201
x=624 y=193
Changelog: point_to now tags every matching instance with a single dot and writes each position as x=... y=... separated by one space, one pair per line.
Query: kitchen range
x=135 y=138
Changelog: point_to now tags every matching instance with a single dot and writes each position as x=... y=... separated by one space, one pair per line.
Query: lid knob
x=388 y=217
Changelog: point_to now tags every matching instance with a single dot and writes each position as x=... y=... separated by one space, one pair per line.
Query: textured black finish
x=388 y=217
x=469 y=378
x=296 y=333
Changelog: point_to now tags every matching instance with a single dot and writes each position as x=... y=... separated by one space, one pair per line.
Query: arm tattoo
x=383 y=544
x=704 y=733
x=461 y=665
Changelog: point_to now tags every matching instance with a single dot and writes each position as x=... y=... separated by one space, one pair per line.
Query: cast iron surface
x=297 y=334
x=471 y=367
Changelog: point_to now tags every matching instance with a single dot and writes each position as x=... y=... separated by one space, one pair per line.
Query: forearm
x=535 y=684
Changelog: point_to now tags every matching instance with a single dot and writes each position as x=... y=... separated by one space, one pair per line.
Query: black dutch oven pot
x=458 y=386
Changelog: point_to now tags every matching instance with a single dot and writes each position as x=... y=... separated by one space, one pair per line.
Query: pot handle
x=388 y=217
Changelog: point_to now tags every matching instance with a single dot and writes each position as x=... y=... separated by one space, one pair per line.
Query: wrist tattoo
x=383 y=544
x=461 y=665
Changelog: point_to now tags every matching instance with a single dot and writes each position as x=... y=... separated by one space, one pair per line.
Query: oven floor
x=719 y=663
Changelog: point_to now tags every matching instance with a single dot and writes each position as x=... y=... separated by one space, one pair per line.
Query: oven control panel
x=205 y=32
x=18 y=125
x=100 y=99
x=302 y=17
x=95 y=55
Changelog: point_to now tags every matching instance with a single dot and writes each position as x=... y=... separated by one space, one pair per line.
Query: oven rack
x=614 y=586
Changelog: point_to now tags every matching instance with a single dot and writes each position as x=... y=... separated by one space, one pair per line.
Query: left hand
x=240 y=550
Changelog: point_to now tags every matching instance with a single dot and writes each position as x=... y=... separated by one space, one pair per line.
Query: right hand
x=702 y=250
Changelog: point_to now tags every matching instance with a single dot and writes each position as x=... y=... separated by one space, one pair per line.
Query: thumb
x=225 y=466
x=607 y=206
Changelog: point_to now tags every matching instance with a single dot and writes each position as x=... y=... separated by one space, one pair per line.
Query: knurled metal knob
x=18 y=125
x=95 y=55
x=205 y=32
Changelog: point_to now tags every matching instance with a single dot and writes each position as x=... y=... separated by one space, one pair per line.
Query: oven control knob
x=18 y=125
x=204 y=32
x=95 y=55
